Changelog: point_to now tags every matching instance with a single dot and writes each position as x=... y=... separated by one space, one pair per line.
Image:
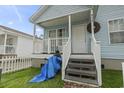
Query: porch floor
x=20 y=79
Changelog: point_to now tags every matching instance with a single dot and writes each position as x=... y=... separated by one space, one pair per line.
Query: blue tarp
x=49 y=70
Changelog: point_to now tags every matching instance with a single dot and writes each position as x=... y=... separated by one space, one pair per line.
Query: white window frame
x=113 y=31
x=57 y=31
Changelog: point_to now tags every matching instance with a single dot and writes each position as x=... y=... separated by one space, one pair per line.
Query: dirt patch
x=75 y=85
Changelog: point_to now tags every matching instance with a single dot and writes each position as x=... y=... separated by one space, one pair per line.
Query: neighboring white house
x=13 y=42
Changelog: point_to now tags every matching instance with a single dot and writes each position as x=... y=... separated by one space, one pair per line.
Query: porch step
x=81 y=73
x=83 y=80
x=81 y=66
x=80 y=60
x=81 y=56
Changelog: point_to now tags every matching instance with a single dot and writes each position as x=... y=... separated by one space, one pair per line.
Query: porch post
x=49 y=47
x=5 y=39
x=69 y=26
x=34 y=32
x=92 y=23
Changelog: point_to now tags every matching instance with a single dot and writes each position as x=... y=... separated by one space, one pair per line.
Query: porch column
x=34 y=33
x=5 y=39
x=49 y=47
x=92 y=22
x=69 y=26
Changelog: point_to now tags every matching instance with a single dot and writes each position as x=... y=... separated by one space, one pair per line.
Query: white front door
x=79 y=39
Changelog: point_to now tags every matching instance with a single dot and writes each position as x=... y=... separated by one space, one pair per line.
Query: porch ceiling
x=77 y=17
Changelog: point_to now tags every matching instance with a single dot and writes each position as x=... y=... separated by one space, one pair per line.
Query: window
x=57 y=33
x=61 y=33
x=52 y=34
x=116 y=31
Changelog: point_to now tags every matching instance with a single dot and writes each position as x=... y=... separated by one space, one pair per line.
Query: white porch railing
x=9 y=49
x=52 y=44
x=95 y=49
x=65 y=57
x=14 y=63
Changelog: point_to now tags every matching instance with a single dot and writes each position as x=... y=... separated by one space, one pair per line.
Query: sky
x=17 y=17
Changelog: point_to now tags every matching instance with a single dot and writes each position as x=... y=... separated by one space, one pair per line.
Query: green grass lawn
x=20 y=79
x=112 y=79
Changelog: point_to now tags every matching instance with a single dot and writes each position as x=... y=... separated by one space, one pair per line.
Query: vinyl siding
x=105 y=13
x=24 y=47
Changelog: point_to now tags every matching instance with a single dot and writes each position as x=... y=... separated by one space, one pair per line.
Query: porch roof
x=76 y=17
x=8 y=29
x=48 y=14
x=13 y=32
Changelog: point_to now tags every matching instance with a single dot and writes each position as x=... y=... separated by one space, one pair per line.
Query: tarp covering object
x=49 y=70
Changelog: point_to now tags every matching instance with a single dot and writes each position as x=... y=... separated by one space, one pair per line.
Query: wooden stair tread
x=81 y=54
x=88 y=56
x=81 y=59
x=81 y=65
x=88 y=61
x=83 y=80
x=83 y=72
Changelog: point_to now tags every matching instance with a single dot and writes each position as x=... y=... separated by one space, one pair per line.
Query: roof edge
x=43 y=8
x=16 y=31
x=38 y=13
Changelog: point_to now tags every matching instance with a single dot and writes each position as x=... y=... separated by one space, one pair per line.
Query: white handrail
x=95 y=49
x=65 y=57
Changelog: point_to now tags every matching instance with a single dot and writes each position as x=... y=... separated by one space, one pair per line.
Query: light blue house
x=111 y=35
x=83 y=53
